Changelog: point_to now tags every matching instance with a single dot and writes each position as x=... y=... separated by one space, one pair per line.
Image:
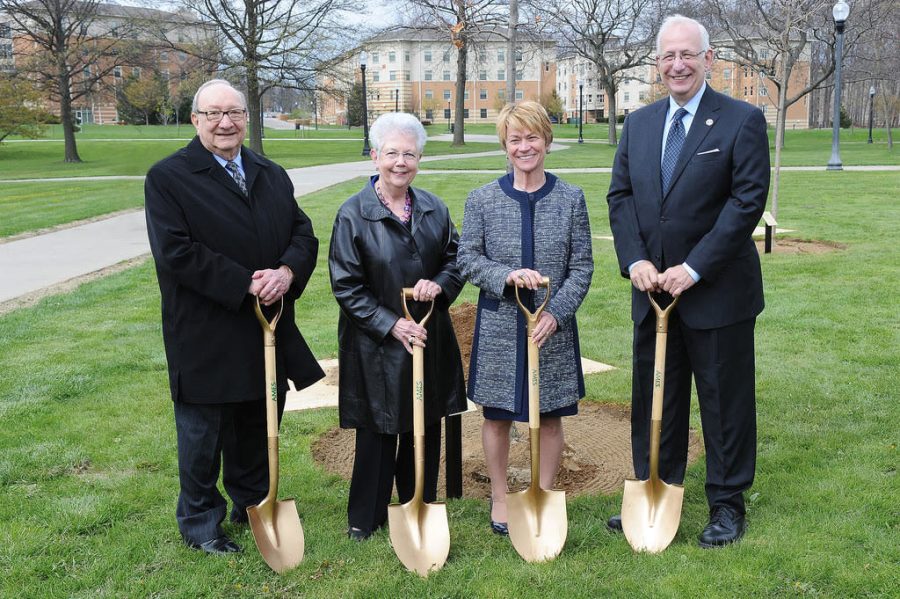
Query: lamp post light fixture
x=840 y=12
x=871 y=110
x=397 y=100
x=362 y=67
x=580 y=109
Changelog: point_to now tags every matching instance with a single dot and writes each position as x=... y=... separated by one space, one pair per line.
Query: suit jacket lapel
x=202 y=159
x=655 y=149
x=251 y=168
x=700 y=127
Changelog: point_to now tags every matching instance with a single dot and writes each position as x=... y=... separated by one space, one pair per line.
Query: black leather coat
x=372 y=257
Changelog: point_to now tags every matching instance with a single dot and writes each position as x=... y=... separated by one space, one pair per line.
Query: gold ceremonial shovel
x=538 y=524
x=651 y=509
x=420 y=534
x=275 y=524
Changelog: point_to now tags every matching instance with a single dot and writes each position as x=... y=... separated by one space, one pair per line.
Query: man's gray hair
x=683 y=20
x=212 y=82
x=397 y=122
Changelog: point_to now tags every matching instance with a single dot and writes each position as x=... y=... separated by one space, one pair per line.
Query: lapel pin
x=709 y=122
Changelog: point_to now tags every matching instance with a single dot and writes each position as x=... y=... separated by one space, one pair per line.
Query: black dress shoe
x=218 y=546
x=725 y=526
x=615 y=523
x=239 y=517
x=498 y=528
x=358 y=534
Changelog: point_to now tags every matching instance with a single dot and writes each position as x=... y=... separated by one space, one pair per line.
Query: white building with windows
x=414 y=70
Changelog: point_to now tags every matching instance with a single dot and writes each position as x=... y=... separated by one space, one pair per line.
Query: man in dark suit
x=224 y=229
x=689 y=185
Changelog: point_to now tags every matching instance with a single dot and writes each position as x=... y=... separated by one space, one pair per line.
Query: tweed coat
x=372 y=257
x=207 y=238
x=491 y=246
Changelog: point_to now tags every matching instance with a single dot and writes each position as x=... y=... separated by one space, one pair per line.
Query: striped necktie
x=232 y=168
x=674 y=142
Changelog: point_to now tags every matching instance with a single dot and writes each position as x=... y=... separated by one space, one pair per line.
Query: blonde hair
x=529 y=116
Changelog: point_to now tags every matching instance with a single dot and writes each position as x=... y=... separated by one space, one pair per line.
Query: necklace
x=407 y=205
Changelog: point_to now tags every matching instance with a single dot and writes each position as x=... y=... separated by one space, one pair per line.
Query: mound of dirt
x=800 y=246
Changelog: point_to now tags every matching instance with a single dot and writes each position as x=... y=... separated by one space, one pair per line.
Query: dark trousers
x=228 y=435
x=722 y=364
x=377 y=462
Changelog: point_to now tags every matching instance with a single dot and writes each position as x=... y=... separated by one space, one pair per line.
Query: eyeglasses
x=669 y=57
x=395 y=156
x=214 y=116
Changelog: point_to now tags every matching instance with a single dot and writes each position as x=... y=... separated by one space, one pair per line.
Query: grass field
x=88 y=475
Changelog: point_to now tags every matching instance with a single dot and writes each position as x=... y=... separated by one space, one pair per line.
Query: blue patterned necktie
x=674 y=142
x=232 y=168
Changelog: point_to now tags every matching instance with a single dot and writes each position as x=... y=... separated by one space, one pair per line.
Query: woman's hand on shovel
x=409 y=333
x=545 y=327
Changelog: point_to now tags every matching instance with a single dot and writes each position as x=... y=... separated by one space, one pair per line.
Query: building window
x=5 y=30
x=117 y=72
x=501 y=55
x=446 y=55
x=484 y=113
x=763 y=108
x=465 y=113
x=376 y=76
x=406 y=55
x=163 y=57
x=726 y=74
x=642 y=96
x=165 y=74
x=392 y=56
x=482 y=94
x=392 y=75
x=447 y=113
x=518 y=55
x=429 y=114
x=751 y=90
x=374 y=57
x=600 y=98
x=427 y=55
x=745 y=90
x=763 y=90
x=136 y=72
x=501 y=74
x=501 y=94
x=406 y=75
x=446 y=94
x=446 y=75
x=6 y=51
x=626 y=96
x=708 y=75
x=428 y=75
x=482 y=75
x=429 y=94
x=590 y=99
x=182 y=57
x=466 y=95
x=520 y=95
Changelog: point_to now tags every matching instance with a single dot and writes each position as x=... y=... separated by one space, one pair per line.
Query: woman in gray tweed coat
x=516 y=230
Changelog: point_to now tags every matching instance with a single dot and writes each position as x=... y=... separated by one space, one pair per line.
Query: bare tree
x=463 y=21
x=612 y=35
x=770 y=37
x=76 y=50
x=267 y=43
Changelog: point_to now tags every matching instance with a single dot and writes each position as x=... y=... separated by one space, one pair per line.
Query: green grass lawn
x=88 y=476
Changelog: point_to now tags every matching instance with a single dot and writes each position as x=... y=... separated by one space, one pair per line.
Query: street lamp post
x=871 y=110
x=580 y=109
x=315 y=111
x=362 y=65
x=397 y=100
x=448 y=117
x=840 y=12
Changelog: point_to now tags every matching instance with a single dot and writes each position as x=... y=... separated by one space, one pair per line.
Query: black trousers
x=722 y=364
x=226 y=436
x=379 y=459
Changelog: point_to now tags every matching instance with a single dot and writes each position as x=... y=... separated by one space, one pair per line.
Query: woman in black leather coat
x=387 y=237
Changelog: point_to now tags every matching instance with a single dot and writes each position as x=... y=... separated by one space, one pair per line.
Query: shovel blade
x=278 y=534
x=651 y=513
x=538 y=523
x=420 y=535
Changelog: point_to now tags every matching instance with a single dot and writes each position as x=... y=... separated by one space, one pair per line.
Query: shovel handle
x=659 y=379
x=268 y=327
x=531 y=317
x=407 y=293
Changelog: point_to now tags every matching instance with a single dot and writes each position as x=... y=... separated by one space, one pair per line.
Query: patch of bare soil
x=596 y=458
x=800 y=246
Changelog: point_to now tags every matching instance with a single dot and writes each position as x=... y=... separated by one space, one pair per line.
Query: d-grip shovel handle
x=418 y=368
x=268 y=328
x=534 y=403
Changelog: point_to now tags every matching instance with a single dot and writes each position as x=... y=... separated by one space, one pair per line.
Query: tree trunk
x=511 y=51
x=458 y=120
x=253 y=120
x=611 y=103
x=65 y=114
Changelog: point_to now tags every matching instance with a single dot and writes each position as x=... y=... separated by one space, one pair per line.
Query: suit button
x=657 y=257
x=663 y=219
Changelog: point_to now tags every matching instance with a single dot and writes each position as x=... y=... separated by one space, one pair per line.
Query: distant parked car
x=554 y=119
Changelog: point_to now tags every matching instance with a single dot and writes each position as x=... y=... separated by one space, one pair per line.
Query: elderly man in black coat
x=224 y=229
